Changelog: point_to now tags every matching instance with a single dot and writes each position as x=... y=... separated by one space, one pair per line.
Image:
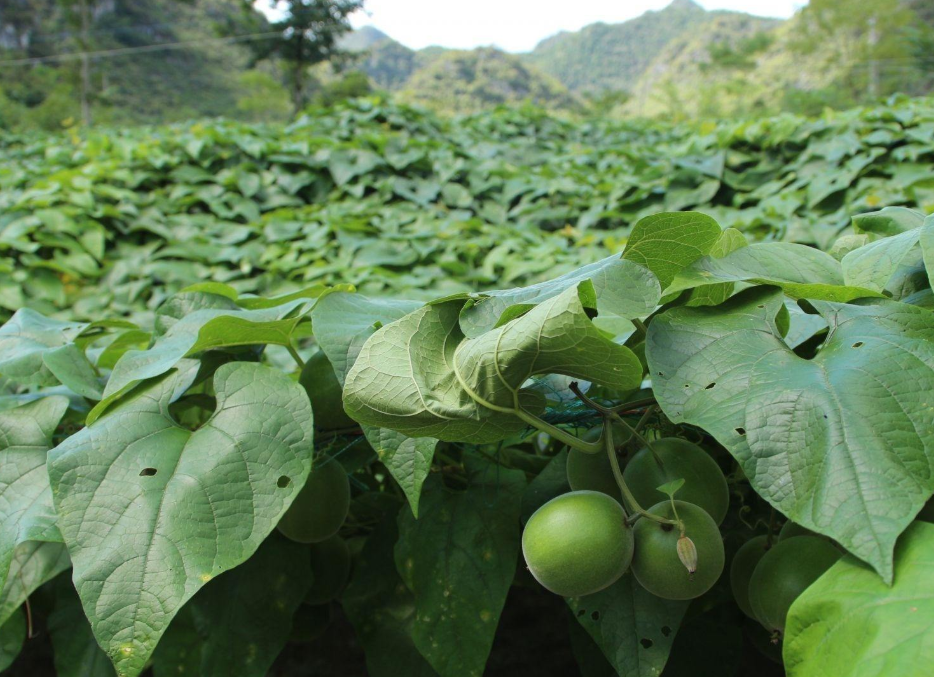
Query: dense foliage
x=115 y=222
x=252 y=375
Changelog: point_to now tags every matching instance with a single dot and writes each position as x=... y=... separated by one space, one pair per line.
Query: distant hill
x=468 y=81
x=613 y=56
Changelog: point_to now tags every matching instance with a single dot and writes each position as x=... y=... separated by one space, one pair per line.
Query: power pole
x=873 y=64
x=85 y=63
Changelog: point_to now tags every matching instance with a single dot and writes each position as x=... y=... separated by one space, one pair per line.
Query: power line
x=107 y=53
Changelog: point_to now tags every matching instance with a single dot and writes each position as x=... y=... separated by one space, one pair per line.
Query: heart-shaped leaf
x=851 y=621
x=241 y=621
x=622 y=288
x=843 y=443
x=634 y=629
x=342 y=324
x=421 y=377
x=460 y=564
x=151 y=512
x=667 y=243
x=26 y=338
x=26 y=510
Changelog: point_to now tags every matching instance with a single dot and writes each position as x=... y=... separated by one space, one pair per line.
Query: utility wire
x=120 y=51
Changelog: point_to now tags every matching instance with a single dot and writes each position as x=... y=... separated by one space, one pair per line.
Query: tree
x=310 y=32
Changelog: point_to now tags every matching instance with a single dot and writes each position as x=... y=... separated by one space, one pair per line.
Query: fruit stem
x=635 y=404
x=560 y=435
x=636 y=434
x=624 y=489
x=295 y=356
x=768 y=538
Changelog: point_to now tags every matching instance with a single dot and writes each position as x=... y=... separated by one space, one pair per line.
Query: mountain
x=613 y=56
x=468 y=81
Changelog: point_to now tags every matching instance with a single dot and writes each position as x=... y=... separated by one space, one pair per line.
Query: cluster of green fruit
x=767 y=577
x=320 y=508
x=583 y=541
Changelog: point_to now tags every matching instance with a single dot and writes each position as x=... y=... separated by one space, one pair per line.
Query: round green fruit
x=318 y=511
x=324 y=390
x=783 y=573
x=704 y=484
x=578 y=543
x=310 y=622
x=656 y=564
x=592 y=472
x=792 y=530
x=744 y=563
x=330 y=566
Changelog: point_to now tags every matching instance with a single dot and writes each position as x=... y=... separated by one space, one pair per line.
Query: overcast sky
x=517 y=25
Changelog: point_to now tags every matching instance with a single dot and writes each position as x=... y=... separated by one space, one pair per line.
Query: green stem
x=636 y=404
x=560 y=435
x=295 y=356
x=618 y=475
x=636 y=434
x=640 y=325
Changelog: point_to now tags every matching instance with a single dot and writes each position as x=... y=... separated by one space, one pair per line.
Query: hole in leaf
x=709 y=386
x=581 y=612
x=666 y=631
x=284 y=481
x=147 y=472
x=595 y=615
x=660 y=374
x=646 y=643
x=740 y=431
x=857 y=344
x=760 y=306
x=687 y=385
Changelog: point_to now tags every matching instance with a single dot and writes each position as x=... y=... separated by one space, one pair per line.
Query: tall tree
x=309 y=33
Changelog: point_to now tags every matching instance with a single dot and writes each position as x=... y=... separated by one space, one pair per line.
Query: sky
x=517 y=25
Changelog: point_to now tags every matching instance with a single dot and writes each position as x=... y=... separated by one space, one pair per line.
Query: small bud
x=687 y=553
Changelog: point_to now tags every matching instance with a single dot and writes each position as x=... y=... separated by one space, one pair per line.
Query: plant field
x=384 y=368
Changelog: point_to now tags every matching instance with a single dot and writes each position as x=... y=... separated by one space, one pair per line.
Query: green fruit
x=704 y=484
x=324 y=390
x=319 y=510
x=792 y=530
x=330 y=566
x=310 y=622
x=592 y=472
x=656 y=564
x=744 y=563
x=578 y=543
x=783 y=573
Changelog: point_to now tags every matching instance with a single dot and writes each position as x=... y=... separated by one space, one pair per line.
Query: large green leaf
x=459 y=564
x=198 y=331
x=634 y=629
x=26 y=510
x=26 y=338
x=802 y=272
x=33 y=564
x=12 y=636
x=842 y=443
x=623 y=288
x=71 y=367
x=151 y=512
x=241 y=620
x=669 y=242
x=851 y=624
x=420 y=376
x=927 y=248
x=873 y=265
x=382 y=609
x=77 y=653
x=342 y=324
